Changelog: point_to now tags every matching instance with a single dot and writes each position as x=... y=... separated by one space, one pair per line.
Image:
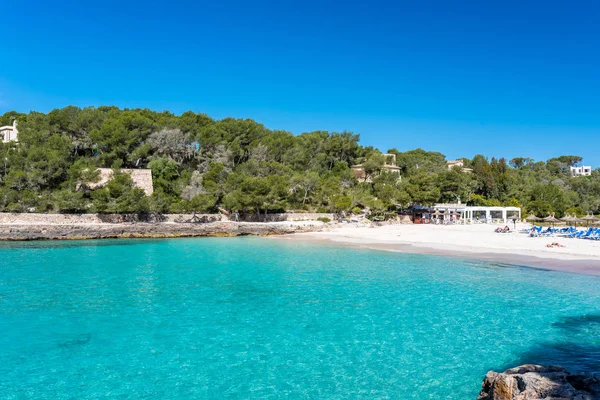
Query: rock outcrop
x=532 y=382
x=148 y=230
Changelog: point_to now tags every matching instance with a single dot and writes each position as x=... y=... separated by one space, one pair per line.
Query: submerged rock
x=532 y=382
x=78 y=340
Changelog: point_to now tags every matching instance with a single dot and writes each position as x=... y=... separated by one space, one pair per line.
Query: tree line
x=202 y=164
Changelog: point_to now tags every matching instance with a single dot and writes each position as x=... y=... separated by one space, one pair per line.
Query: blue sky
x=503 y=78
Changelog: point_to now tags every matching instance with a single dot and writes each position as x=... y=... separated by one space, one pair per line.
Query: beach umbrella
x=576 y=220
x=533 y=218
x=551 y=219
x=568 y=218
x=590 y=219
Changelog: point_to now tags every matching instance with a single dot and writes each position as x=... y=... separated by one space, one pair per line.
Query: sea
x=258 y=318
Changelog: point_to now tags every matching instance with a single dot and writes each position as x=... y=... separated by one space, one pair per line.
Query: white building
x=9 y=133
x=455 y=163
x=464 y=213
x=581 y=171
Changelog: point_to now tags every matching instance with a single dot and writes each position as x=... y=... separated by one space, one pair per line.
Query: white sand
x=473 y=241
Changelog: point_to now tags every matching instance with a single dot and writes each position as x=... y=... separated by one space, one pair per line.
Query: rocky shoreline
x=532 y=382
x=19 y=232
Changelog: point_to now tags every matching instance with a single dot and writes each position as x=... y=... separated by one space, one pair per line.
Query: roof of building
x=474 y=208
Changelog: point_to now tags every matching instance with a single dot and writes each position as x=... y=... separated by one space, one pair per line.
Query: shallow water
x=257 y=318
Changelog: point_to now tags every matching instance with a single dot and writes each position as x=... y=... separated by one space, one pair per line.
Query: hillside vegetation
x=201 y=164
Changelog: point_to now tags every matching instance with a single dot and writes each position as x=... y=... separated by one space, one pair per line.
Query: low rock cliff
x=533 y=382
x=147 y=230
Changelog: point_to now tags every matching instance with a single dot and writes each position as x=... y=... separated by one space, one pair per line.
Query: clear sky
x=501 y=78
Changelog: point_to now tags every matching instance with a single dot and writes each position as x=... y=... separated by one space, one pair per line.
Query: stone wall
x=288 y=217
x=71 y=219
x=142 y=178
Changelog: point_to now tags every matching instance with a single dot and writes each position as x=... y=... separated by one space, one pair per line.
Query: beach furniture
x=536 y=231
x=575 y=235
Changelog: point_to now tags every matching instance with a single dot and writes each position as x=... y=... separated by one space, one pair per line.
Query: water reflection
x=64 y=244
x=579 y=349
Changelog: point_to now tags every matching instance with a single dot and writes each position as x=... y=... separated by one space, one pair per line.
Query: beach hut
x=417 y=214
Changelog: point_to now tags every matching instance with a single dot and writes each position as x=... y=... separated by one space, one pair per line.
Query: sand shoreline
x=477 y=242
x=464 y=241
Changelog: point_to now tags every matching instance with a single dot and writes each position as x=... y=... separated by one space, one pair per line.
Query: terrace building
x=470 y=214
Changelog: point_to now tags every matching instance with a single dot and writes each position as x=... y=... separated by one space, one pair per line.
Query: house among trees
x=584 y=170
x=9 y=133
x=457 y=163
x=142 y=178
x=362 y=171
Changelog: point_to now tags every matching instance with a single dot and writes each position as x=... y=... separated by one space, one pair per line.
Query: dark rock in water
x=78 y=340
x=532 y=382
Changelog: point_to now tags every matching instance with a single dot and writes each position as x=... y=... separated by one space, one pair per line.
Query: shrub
x=324 y=220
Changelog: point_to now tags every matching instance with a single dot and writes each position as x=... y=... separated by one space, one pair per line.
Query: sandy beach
x=468 y=241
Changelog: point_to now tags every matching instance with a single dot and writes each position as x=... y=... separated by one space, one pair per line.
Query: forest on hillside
x=202 y=164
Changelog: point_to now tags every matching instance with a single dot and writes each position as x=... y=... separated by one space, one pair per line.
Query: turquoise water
x=259 y=318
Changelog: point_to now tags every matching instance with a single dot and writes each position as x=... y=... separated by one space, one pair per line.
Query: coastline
x=33 y=231
x=475 y=242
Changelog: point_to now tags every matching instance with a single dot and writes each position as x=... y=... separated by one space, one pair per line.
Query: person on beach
x=237 y=217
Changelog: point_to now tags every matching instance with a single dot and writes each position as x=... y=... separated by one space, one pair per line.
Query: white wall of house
x=584 y=170
x=9 y=133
